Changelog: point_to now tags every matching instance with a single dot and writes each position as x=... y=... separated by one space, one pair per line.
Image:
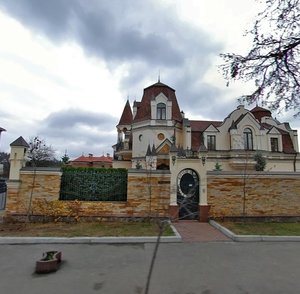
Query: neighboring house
x=92 y=161
x=156 y=128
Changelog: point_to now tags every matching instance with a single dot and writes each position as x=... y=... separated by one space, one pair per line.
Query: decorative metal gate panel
x=188 y=194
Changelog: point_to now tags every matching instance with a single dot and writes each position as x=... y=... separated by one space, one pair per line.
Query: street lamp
x=202 y=153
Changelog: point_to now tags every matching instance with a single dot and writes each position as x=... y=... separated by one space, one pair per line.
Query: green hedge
x=93 y=184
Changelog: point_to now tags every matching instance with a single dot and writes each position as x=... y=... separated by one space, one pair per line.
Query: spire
x=148 y=153
x=127 y=117
x=159 y=76
x=153 y=151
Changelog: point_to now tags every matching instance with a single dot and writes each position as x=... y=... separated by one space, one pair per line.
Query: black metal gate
x=188 y=194
x=2 y=194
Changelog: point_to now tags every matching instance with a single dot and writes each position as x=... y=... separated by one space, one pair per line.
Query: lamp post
x=202 y=153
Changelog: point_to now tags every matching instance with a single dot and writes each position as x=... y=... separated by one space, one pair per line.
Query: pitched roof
x=144 y=110
x=202 y=125
x=260 y=112
x=20 y=142
x=102 y=158
x=126 y=117
x=2 y=130
x=287 y=143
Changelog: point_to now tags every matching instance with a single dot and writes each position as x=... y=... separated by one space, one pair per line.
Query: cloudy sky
x=67 y=67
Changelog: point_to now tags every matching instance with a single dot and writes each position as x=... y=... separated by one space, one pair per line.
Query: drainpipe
x=295 y=159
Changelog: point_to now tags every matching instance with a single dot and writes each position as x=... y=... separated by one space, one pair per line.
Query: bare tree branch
x=274 y=59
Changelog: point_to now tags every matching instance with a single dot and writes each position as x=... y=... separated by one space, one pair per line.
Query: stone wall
x=255 y=194
x=41 y=184
x=147 y=195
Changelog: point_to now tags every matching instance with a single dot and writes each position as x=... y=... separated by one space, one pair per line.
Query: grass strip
x=263 y=228
x=83 y=229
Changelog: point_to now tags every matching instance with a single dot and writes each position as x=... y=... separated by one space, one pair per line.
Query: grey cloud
x=79 y=131
x=96 y=26
x=71 y=118
x=73 y=130
x=147 y=36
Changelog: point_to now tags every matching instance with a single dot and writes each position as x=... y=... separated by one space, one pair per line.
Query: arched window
x=248 y=139
x=161 y=111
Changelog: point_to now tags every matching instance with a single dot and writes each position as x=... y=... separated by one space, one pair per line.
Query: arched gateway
x=188 y=194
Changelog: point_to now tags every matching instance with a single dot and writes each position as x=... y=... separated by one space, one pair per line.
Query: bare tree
x=274 y=58
x=39 y=153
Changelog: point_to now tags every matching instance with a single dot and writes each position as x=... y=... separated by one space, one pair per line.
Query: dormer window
x=248 y=139
x=274 y=145
x=161 y=111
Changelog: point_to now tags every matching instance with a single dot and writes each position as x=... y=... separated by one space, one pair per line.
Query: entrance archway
x=188 y=194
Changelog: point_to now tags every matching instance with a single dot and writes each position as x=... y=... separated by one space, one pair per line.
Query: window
x=211 y=142
x=161 y=111
x=274 y=144
x=248 y=139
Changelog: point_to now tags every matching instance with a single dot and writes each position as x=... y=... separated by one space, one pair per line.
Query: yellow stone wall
x=142 y=200
x=46 y=185
x=265 y=194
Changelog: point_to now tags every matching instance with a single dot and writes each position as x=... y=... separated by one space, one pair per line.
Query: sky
x=67 y=67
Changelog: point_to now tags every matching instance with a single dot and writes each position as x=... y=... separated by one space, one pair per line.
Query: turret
x=17 y=157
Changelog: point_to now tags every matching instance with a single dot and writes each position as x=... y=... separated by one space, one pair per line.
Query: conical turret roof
x=127 y=117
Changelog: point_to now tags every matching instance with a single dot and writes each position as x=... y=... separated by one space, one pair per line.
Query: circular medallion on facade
x=160 y=136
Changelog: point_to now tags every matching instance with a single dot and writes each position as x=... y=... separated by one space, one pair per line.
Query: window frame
x=211 y=144
x=272 y=140
x=248 y=139
x=161 y=111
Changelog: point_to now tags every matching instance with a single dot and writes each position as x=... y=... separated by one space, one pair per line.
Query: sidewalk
x=194 y=231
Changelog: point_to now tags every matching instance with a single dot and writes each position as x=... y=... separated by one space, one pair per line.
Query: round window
x=160 y=136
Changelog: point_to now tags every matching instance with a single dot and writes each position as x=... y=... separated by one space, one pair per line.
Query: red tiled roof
x=196 y=141
x=199 y=126
x=144 y=110
x=126 y=118
x=102 y=158
x=287 y=144
x=260 y=112
x=202 y=125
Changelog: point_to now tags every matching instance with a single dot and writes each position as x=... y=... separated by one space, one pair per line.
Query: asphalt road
x=180 y=268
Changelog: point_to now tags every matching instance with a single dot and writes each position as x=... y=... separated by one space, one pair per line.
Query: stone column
x=203 y=206
x=173 y=207
x=17 y=158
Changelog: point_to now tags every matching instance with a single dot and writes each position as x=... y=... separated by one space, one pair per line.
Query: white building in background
x=155 y=128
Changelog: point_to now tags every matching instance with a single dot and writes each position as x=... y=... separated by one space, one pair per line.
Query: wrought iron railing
x=92 y=184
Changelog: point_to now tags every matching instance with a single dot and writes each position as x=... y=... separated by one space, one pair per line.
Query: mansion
x=177 y=168
x=154 y=133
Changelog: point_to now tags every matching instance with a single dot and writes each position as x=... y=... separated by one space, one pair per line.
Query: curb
x=89 y=240
x=85 y=240
x=253 y=238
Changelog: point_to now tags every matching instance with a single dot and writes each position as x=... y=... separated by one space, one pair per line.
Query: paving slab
x=194 y=231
